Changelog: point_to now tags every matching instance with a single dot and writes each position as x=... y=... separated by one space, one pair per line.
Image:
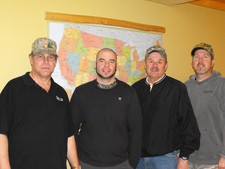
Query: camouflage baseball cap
x=44 y=45
x=203 y=46
x=158 y=49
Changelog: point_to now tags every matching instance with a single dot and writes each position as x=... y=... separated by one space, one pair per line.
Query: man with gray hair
x=169 y=124
x=206 y=89
x=36 y=129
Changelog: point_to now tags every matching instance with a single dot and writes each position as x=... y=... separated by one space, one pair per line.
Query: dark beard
x=105 y=77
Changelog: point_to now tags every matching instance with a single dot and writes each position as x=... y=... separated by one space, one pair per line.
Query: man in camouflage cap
x=44 y=45
x=206 y=89
x=36 y=129
x=204 y=46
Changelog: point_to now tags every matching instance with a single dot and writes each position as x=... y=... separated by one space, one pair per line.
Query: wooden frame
x=218 y=4
x=100 y=20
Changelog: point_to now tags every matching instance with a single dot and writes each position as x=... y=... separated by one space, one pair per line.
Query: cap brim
x=45 y=52
x=195 y=49
x=152 y=52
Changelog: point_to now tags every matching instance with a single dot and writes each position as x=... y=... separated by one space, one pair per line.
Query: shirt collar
x=157 y=82
x=29 y=81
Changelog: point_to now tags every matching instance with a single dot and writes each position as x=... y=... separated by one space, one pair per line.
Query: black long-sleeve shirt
x=110 y=124
x=169 y=122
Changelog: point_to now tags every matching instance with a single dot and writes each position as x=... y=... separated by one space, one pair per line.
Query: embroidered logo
x=207 y=91
x=59 y=98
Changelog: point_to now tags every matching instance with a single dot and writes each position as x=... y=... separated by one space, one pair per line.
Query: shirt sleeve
x=69 y=120
x=135 y=130
x=6 y=109
x=222 y=105
x=75 y=109
x=189 y=133
x=223 y=143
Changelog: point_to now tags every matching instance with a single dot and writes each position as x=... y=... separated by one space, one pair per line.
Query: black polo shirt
x=37 y=124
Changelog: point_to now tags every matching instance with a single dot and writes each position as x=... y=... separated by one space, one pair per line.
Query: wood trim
x=103 y=21
x=219 y=5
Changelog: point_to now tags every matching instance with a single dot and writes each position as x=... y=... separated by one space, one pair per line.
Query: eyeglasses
x=42 y=57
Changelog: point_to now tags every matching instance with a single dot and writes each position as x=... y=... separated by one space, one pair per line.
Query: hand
x=221 y=164
x=182 y=164
x=72 y=167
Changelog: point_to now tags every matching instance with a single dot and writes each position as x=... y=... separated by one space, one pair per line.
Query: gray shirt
x=208 y=101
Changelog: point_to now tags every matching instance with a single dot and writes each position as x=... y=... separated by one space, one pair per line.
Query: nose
x=200 y=59
x=107 y=64
x=154 y=64
x=46 y=59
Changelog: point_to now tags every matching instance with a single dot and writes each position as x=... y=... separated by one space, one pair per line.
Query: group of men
x=157 y=123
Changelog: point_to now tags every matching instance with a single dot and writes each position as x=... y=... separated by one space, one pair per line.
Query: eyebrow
x=156 y=60
x=105 y=59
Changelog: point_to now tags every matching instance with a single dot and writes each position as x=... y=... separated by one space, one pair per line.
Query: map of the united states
x=77 y=49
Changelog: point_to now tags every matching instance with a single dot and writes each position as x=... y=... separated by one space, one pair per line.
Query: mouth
x=201 y=65
x=154 y=70
x=106 y=71
x=45 y=68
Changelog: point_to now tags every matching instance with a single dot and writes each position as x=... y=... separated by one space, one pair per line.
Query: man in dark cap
x=35 y=120
x=206 y=89
x=169 y=124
